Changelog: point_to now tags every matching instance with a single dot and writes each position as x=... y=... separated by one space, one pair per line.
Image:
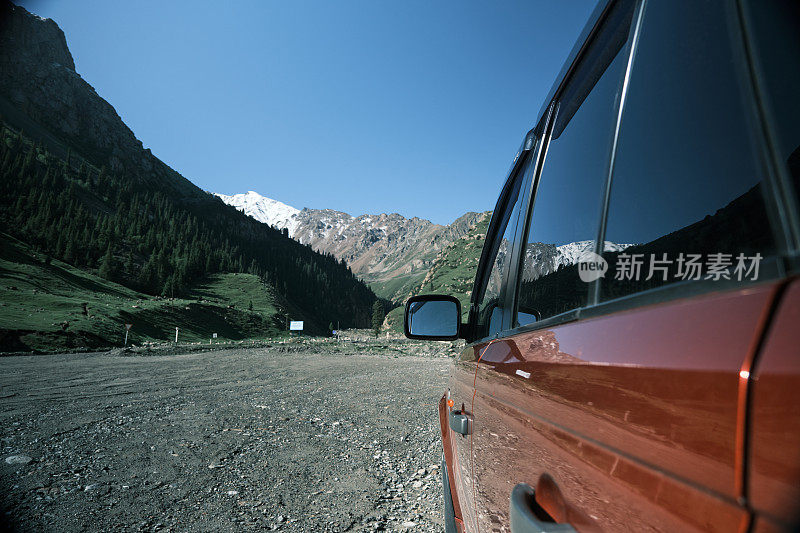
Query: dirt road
x=233 y=440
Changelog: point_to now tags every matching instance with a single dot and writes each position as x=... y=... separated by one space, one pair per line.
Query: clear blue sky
x=415 y=107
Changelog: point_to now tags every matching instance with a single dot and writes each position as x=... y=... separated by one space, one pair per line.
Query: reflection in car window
x=686 y=185
x=490 y=312
x=566 y=212
x=777 y=42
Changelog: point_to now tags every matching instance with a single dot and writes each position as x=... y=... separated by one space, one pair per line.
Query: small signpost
x=296 y=325
x=213 y=336
x=127 y=329
x=176 y=334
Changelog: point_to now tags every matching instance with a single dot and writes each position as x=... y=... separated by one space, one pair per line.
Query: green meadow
x=48 y=305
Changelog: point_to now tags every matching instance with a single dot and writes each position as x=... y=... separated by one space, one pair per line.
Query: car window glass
x=490 y=311
x=776 y=30
x=565 y=219
x=686 y=194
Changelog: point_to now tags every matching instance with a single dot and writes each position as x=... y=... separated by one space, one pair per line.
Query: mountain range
x=390 y=252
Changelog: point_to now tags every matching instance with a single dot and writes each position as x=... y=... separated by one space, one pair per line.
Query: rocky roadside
x=292 y=438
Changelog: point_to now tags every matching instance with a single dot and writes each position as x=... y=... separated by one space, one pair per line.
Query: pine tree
x=107 y=264
x=377 y=317
x=169 y=287
x=69 y=252
x=129 y=267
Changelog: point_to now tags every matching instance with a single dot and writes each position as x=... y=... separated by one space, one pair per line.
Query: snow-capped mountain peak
x=263 y=209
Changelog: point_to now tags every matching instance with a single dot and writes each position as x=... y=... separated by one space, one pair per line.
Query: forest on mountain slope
x=148 y=240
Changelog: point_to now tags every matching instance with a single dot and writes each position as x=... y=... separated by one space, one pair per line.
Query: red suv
x=633 y=362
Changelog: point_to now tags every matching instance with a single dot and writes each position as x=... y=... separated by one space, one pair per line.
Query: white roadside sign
x=296 y=325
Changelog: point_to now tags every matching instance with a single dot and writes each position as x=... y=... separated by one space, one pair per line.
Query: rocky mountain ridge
x=41 y=93
x=389 y=251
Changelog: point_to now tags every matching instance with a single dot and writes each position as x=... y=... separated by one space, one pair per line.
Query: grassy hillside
x=48 y=305
x=395 y=288
x=453 y=272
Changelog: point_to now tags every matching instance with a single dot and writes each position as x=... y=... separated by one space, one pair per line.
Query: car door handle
x=460 y=422
x=523 y=519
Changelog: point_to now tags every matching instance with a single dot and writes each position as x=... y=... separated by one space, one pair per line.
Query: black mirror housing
x=432 y=317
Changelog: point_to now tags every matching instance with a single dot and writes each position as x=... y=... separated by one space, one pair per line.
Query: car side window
x=565 y=219
x=490 y=306
x=686 y=199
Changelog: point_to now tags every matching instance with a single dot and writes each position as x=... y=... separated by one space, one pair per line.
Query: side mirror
x=432 y=317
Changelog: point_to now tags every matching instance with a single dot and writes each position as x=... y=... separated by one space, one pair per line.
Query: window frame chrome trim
x=509 y=294
x=547 y=131
x=594 y=287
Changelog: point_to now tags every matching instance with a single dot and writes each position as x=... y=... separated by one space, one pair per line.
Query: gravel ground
x=315 y=436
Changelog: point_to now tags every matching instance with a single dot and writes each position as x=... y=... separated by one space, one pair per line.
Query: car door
x=488 y=311
x=774 y=454
x=569 y=187
x=620 y=396
x=773 y=480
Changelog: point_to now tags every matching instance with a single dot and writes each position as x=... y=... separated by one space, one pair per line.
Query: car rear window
x=686 y=199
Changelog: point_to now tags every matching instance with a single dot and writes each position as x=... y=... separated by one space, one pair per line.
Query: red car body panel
x=774 y=451
x=630 y=421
